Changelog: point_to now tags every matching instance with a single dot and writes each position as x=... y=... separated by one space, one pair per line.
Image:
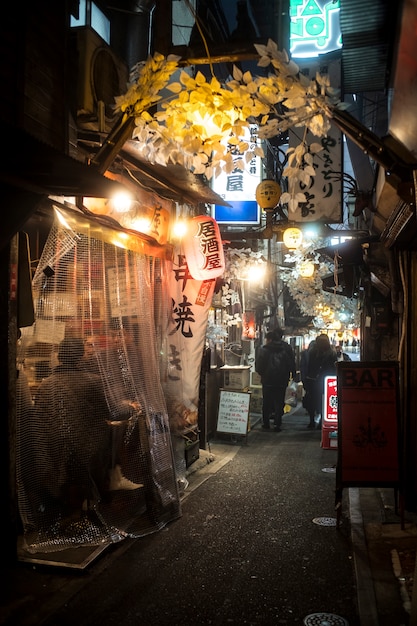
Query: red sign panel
x=368 y=410
x=330 y=402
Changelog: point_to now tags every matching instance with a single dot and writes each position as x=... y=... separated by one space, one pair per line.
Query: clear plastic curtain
x=95 y=461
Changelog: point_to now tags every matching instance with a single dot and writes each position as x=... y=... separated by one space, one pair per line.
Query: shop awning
x=37 y=167
x=34 y=170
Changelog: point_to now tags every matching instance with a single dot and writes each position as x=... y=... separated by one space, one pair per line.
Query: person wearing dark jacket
x=275 y=364
x=322 y=359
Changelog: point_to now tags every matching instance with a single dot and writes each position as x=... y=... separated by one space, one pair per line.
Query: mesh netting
x=95 y=460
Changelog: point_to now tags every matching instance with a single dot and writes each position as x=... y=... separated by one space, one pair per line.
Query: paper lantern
x=306 y=269
x=203 y=248
x=267 y=194
x=248 y=325
x=292 y=238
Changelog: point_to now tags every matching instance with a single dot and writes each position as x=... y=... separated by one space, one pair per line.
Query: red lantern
x=203 y=248
x=248 y=325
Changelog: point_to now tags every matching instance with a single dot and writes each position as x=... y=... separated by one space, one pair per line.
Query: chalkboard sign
x=233 y=412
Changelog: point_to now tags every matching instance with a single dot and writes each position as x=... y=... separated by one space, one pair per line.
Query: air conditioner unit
x=101 y=75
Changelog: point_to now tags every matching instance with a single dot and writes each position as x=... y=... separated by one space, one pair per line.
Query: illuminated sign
x=238 y=188
x=314 y=27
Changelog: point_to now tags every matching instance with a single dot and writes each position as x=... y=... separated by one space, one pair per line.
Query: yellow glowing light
x=179 y=229
x=256 y=273
x=209 y=125
x=141 y=224
x=292 y=238
x=122 y=202
x=267 y=194
x=306 y=269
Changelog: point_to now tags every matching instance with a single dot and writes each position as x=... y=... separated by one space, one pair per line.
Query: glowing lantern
x=292 y=238
x=248 y=325
x=203 y=248
x=267 y=194
x=306 y=269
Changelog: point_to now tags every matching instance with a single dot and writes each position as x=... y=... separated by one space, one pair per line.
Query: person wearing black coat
x=322 y=360
x=275 y=364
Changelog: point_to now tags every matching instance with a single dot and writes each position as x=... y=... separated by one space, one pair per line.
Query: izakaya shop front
x=108 y=380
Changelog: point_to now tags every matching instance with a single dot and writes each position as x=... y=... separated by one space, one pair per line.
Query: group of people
x=275 y=363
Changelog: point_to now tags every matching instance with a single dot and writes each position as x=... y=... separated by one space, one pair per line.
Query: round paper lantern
x=292 y=238
x=203 y=248
x=267 y=194
x=306 y=269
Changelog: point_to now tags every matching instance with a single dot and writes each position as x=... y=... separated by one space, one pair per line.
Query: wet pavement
x=256 y=544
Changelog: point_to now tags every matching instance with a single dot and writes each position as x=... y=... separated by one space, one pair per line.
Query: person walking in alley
x=322 y=360
x=275 y=364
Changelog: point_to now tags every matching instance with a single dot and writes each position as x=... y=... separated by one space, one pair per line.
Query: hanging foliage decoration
x=202 y=124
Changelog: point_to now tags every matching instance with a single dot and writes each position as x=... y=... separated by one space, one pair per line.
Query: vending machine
x=329 y=421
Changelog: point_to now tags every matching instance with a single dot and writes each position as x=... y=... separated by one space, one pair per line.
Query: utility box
x=235 y=376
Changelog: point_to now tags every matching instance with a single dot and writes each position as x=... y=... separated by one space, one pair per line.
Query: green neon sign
x=314 y=27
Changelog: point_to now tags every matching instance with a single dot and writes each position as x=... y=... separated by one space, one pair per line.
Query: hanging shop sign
x=324 y=195
x=191 y=300
x=368 y=424
x=203 y=248
x=238 y=186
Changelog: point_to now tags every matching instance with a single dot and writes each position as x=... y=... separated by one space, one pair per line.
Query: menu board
x=233 y=412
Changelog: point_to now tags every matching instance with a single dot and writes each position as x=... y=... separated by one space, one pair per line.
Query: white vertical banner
x=325 y=193
x=191 y=300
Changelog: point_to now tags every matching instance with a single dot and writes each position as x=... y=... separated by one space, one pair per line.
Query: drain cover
x=324 y=619
x=329 y=470
x=325 y=521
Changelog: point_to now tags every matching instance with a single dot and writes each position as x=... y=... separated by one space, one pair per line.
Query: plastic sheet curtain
x=95 y=460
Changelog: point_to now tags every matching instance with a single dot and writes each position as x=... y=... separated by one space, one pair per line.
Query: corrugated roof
x=368 y=33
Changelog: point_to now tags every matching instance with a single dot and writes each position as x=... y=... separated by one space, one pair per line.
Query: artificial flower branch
x=204 y=125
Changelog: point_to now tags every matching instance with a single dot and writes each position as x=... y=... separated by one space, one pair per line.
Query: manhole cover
x=324 y=619
x=329 y=470
x=325 y=521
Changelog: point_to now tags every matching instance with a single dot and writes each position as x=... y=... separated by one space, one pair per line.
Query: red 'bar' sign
x=368 y=410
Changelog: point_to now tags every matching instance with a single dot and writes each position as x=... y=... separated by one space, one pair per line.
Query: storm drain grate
x=324 y=619
x=324 y=521
x=329 y=470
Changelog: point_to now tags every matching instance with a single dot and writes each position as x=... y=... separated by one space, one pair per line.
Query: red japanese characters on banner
x=203 y=248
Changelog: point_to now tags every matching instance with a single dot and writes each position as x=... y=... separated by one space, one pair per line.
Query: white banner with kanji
x=191 y=300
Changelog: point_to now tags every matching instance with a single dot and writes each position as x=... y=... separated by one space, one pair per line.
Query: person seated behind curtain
x=89 y=361
x=71 y=406
x=275 y=364
x=321 y=363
